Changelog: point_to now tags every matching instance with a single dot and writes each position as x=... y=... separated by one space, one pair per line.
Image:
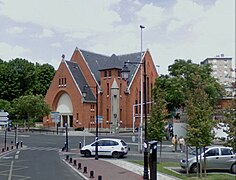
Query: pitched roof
x=98 y=62
x=80 y=80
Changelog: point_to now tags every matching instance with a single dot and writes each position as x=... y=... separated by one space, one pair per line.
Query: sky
x=42 y=30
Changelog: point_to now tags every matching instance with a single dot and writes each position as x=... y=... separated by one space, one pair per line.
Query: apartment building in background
x=223 y=71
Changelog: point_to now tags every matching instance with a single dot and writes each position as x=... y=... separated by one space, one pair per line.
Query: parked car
x=106 y=147
x=217 y=158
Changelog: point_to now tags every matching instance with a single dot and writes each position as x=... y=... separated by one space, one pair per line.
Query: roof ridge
x=131 y=53
x=93 y=52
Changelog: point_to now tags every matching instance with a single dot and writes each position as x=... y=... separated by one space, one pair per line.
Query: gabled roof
x=98 y=62
x=80 y=80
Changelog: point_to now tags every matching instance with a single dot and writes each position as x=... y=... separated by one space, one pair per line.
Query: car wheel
x=87 y=153
x=194 y=168
x=233 y=168
x=115 y=155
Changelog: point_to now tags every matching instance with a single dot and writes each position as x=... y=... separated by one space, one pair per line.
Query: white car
x=106 y=147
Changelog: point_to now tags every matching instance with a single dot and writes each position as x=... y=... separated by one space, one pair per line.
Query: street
x=40 y=158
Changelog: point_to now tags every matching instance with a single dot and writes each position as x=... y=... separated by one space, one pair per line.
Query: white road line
x=17 y=152
x=10 y=172
x=16 y=156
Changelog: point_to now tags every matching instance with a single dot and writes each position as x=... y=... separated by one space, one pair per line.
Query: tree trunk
x=197 y=160
x=204 y=149
x=160 y=150
x=186 y=149
x=200 y=162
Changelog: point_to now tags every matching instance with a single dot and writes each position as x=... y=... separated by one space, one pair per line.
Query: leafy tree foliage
x=31 y=106
x=199 y=122
x=230 y=119
x=43 y=77
x=156 y=123
x=180 y=80
x=5 y=105
x=20 y=77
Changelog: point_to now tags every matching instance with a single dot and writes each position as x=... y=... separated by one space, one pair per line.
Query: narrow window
x=108 y=89
x=107 y=114
x=64 y=81
x=109 y=73
x=105 y=73
x=136 y=106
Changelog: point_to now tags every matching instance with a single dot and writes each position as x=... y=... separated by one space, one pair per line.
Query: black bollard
x=80 y=145
x=11 y=147
x=74 y=163
x=85 y=169
x=3 y=149
x=79 y=165
x=11 y=142
x=67 y=157
x=91 y=174
x=70 y=160
x=21 y=144
x=99 y=177
x=17 y=145
x=7 y=148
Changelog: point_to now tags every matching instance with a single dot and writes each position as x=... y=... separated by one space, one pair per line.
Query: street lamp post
x=125 y=73
x=96 y=138
x=66 y=125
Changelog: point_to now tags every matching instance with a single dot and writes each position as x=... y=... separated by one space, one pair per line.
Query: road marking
x=41 y=149
x=7 y=157
x=16 y=156
x=10 y=173
x=17 y=152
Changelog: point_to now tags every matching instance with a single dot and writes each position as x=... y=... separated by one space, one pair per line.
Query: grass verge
x=161 y=167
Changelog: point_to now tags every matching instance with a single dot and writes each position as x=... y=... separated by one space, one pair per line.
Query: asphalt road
x=40 y=157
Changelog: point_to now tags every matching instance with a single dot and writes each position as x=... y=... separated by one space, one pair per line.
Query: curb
x=80 y=174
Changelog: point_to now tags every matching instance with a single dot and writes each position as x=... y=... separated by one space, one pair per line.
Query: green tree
x=31 y=106
x=9 y=84
x=5 y=105
x=199 y=122
x=180 y=79
x=20 y=77
x=43 y=77
x=229 y=115
x=156 y=129
x=25 y=72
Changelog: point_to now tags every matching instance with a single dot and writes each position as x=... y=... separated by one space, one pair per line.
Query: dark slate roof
x=98 y=62
x=95 y=62
x=80 y=80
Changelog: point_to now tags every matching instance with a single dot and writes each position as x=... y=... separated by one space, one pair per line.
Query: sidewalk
x=115 y=169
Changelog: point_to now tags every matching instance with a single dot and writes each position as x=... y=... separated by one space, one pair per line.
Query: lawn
x=161 y=167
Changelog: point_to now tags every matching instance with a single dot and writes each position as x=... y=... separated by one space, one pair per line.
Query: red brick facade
x=83 y=114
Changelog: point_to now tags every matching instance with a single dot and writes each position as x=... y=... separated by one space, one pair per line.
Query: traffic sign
x=55 y=116
x=2 y=118
x=3 y=123
x=4 y=114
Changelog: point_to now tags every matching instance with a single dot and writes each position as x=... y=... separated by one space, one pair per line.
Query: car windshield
x=198 y=151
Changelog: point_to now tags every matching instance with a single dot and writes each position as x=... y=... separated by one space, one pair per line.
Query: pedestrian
x=174 y=143
x=181 y=143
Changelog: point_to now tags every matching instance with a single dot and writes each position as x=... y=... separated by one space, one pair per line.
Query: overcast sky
x=42 y=30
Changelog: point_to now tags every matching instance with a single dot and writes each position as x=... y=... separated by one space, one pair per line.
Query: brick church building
x=118 y=99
